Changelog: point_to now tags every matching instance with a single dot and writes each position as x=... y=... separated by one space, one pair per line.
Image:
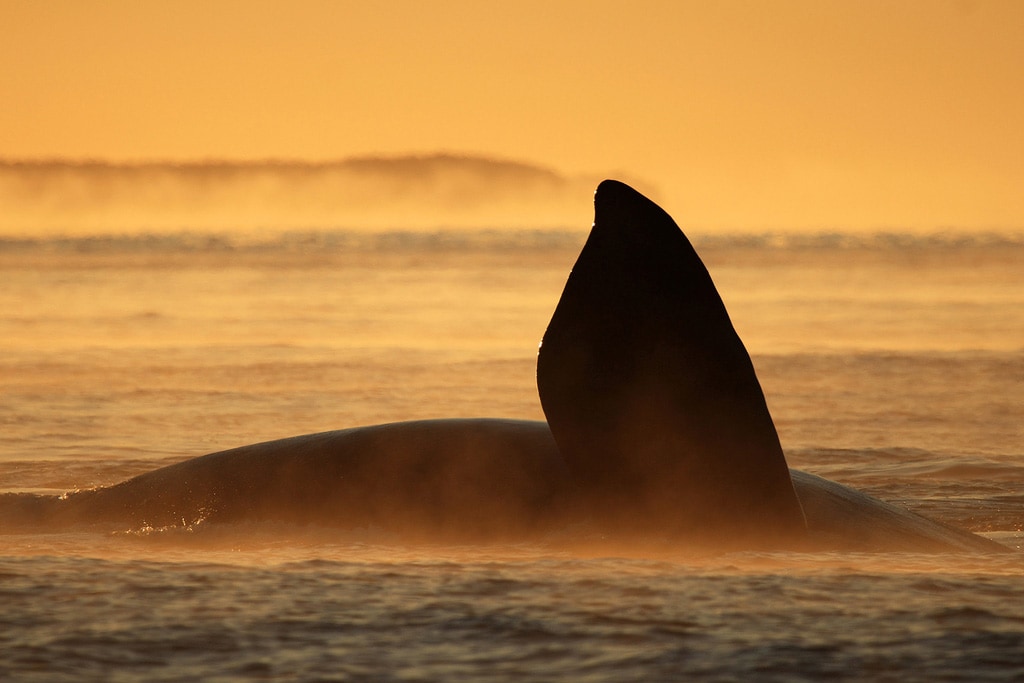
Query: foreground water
x=895 y=365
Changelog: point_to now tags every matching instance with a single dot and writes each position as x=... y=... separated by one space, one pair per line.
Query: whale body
x=459 y=479
x=456 y=481
x=657 y=434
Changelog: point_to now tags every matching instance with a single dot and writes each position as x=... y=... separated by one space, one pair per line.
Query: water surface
x=894 y=364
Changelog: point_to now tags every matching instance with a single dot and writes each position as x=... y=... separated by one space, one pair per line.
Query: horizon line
x=270 y=160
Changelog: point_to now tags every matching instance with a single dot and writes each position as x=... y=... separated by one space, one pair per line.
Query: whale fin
x=651 y=395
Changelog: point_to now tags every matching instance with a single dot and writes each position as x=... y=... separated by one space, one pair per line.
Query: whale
x=657 y=436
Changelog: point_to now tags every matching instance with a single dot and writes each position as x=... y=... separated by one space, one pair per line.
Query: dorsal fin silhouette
x=651 y=395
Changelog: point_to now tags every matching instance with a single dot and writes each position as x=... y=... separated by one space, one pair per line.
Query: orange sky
x=861 y=114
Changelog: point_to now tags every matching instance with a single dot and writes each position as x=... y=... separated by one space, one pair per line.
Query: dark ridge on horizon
x=403 y=172
x=359 y=162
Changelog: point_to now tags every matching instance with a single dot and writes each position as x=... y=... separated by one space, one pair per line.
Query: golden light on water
x=224 y=222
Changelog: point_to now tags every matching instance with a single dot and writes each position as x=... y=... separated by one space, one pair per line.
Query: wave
x=326 y=241
x=877 y=241
x=486 y=239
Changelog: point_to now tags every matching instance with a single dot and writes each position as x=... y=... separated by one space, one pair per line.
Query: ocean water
x=891 y=363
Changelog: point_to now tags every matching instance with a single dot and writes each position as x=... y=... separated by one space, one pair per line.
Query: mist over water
x=409 y=193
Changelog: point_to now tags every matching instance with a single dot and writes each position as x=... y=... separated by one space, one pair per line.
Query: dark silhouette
x=649 y=391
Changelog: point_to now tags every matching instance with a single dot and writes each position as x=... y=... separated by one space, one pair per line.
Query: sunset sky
x=861 y=114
